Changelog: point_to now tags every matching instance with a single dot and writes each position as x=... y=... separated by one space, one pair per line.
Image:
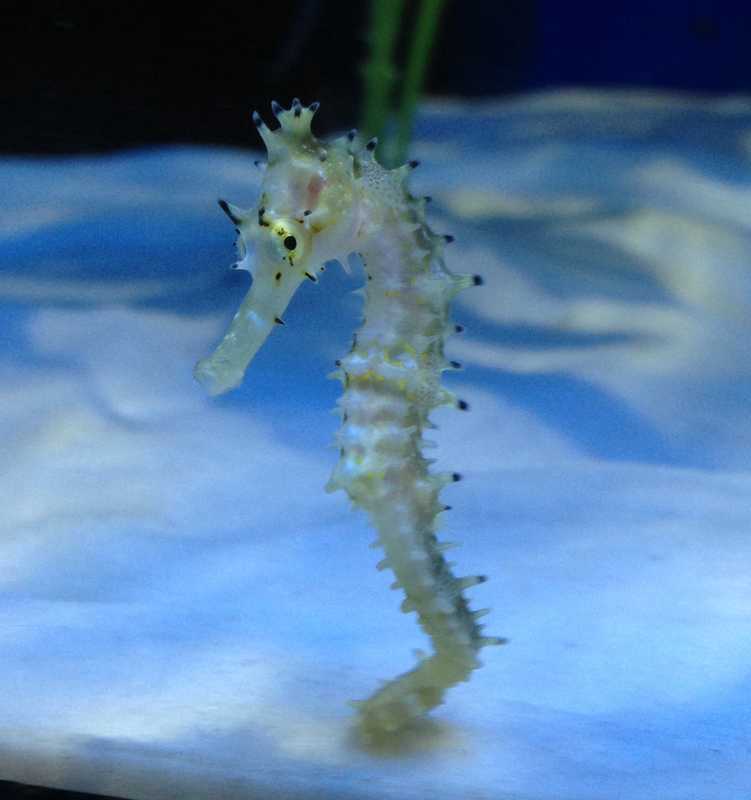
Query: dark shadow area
x=10 y=790
x=83 y=76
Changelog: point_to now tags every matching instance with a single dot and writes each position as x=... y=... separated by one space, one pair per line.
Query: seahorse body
x=325 y=200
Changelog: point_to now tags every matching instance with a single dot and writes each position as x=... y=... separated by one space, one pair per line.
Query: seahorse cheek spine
x=345 y=201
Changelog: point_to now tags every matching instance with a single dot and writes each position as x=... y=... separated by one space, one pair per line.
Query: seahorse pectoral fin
x=260 y=312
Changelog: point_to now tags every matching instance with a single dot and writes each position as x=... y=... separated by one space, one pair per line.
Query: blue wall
x=677 y=44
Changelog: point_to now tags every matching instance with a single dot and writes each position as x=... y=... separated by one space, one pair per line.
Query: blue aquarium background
x=184 y=612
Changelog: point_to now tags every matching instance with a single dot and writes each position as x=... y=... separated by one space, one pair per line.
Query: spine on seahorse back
x=325 y=200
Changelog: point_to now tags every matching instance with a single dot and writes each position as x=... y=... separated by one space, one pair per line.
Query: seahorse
x=326 y=200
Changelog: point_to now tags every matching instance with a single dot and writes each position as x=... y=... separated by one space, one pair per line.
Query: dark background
x=99 y=76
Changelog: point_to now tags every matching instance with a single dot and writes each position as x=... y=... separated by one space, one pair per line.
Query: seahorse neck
x=405 y=305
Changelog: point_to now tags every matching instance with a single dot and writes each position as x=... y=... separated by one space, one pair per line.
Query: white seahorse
x=322 y=201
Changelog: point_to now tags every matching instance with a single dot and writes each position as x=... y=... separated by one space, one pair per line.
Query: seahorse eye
x=290 y=242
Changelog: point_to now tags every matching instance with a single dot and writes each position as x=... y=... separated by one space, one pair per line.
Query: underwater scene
x=186 y=612
x=390 y=441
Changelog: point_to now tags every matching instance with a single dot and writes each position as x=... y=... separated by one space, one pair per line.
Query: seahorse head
x=307 y=213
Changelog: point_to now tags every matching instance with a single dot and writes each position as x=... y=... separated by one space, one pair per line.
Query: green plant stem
x=386 y=15
x=428 y=18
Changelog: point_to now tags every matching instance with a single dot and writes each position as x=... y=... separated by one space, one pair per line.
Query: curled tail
x=436 y=595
